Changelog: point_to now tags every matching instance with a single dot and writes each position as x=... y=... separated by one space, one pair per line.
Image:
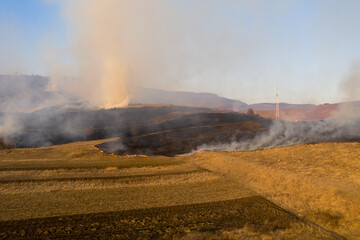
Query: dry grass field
x=76 y=191
x=318 y=181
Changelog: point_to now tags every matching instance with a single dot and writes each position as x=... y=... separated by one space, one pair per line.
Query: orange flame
x=115 y=155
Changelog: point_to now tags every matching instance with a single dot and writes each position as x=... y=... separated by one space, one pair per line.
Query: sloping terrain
x=282 y=105
x=56 y=126
x=76 y=191
x=22 y=94
x=317 y=181
x=142 y=95
x=315 y=112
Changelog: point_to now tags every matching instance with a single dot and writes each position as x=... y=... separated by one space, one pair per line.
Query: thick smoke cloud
x=31 y=113
x=23 y=93
x=116 y=44
x=101 y=72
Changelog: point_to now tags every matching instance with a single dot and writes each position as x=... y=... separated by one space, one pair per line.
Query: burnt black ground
x=187 y=132
x=256 y=213
x=57 y=126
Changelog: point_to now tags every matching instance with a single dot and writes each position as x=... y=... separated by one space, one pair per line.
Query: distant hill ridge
x=142 y=95
x=21 y=93
x=282 y=105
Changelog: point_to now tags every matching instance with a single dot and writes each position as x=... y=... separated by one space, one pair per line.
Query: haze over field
x=99 y=56
x=76 y=190
x=239 y=50
x=153 y=119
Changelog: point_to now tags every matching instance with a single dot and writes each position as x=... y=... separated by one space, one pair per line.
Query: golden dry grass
x=74 y=155
x=68 y=202
x=21 y=175
x=78 y=178
x=320 y=181
x=102 y=183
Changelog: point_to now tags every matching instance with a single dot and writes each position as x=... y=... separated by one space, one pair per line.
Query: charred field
x=186 y=132
x=152 y=130
x=169 y=130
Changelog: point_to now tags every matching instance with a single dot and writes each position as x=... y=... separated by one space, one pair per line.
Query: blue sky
x=307 y=48
x=24 y=26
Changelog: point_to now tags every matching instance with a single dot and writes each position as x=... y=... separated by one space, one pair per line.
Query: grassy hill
x=304 y=191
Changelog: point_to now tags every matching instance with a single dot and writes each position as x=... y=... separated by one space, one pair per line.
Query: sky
x=236 y=49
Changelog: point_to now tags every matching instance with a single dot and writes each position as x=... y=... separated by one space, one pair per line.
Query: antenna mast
x=277 y=113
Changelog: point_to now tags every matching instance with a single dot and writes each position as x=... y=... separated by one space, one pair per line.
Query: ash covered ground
x=169 y=130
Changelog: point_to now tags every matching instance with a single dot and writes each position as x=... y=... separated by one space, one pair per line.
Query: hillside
x=21 y=93
x=318 y=181
x=272 y=106
x=316 y=112
x=209 y=100
x=76 y=191
x=56 y=126
x=29 y=93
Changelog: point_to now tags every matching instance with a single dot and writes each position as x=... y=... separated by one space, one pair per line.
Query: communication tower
x=277 y=113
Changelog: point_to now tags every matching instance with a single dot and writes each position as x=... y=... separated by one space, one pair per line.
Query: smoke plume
x=344 y=124
x=350 y=86
x=116 y=44
x=100 y=68
x=285 y=133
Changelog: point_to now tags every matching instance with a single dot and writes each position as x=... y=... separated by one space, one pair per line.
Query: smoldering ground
x=115 y=43
x=51 y=117
x=285 y=133
x=343 y=125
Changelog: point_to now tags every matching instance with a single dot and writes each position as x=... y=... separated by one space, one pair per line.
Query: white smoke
x=115 y=44
x=284 y=133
